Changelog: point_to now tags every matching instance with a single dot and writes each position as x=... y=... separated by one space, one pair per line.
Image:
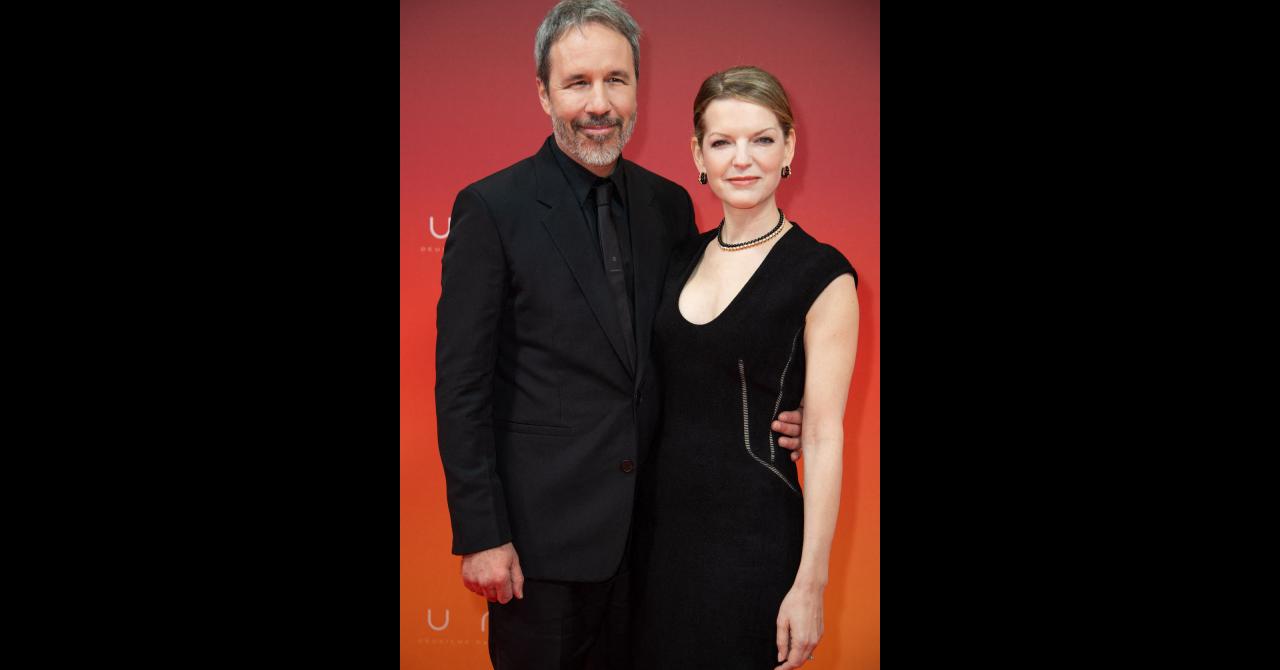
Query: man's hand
x=494 y=573
x=788 y=423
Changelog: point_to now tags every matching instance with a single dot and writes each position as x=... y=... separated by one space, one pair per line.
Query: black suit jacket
x=543 y=426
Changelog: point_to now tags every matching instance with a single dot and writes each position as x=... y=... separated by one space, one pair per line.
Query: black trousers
x=564 y=625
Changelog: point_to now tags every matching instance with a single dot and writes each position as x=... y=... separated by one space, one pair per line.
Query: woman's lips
x=742 y=181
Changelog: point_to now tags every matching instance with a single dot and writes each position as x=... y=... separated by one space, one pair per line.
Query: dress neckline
x=697 y=260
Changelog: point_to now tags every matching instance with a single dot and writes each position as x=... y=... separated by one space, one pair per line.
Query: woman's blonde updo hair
x=747 y=83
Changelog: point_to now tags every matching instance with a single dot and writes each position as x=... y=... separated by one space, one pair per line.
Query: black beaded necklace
x=749 y=243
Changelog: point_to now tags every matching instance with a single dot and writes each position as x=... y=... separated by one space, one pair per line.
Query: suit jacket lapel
x=647 y=255
x=563 y=221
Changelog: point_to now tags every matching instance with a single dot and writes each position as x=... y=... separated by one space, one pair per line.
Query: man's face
x=590 y=95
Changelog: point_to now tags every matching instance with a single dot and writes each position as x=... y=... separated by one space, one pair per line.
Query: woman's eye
x=765 y=140
x=718 y=143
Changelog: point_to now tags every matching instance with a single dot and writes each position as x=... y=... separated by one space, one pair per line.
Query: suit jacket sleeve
x=472 y=294
x=687 y=229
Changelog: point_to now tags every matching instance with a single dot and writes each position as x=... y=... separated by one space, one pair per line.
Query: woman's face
x=742 y=151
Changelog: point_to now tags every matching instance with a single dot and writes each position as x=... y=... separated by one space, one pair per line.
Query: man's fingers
x=517 y=579
x=504 y=591
x=786 y=427
x=789 y=442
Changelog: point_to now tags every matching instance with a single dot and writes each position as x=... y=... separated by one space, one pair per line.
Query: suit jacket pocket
x=532 y=428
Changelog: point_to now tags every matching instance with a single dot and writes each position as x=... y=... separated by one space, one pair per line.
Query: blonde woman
x=757 y=315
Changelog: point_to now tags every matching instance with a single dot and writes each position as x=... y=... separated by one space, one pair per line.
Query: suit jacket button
x=628 y=465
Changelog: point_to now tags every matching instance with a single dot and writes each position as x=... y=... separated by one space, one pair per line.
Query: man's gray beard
x=588 y=150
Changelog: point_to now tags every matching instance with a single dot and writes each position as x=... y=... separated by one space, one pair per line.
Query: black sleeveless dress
x=720 y=518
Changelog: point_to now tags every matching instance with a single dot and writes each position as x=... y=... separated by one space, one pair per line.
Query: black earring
x=786 y=171
x=702 y=178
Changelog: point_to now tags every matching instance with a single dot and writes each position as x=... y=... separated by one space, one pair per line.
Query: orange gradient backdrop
x=468 y=107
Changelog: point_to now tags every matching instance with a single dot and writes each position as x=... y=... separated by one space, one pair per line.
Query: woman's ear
x=695 y=147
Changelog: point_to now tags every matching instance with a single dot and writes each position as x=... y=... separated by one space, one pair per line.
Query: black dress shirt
x=583 y=183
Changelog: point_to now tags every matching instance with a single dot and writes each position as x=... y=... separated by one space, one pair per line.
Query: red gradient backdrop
x=468 y=107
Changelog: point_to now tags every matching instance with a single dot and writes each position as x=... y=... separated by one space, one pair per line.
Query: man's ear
x=543 y=95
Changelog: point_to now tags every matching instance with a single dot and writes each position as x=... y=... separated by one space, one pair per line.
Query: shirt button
x=628 y=465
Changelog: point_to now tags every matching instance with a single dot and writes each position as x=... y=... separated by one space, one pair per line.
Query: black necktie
x=613 y=265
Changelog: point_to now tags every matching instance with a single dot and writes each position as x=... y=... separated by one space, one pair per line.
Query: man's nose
x=598 y=101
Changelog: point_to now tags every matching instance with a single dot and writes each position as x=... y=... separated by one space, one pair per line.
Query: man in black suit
x=547 y=398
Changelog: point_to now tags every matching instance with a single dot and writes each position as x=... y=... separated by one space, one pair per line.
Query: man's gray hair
x=576 y=13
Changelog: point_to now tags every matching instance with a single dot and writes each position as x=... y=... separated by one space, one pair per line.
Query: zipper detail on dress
x=746 y=431
x=781 y=381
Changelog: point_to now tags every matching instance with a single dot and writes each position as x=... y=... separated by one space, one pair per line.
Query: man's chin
x=597 y=153
x=598 y=158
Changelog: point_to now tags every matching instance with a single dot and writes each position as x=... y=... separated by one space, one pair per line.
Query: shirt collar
x=582 y=180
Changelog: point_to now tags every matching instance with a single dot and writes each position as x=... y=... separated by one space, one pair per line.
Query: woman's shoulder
x=821 y=261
